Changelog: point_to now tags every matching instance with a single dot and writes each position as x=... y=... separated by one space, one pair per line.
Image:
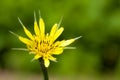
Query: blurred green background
x=97 y=53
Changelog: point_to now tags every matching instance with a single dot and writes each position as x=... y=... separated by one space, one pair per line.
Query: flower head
x=45 y=45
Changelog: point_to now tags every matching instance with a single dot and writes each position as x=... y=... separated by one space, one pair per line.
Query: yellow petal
x=58 y=51
x=28 y=33
x=42 y=27
x=46 y=62
x=58 y=33
x=25 y=40
x=67 y=42
x=36 y=29
x=52 y=58
x=53 y=30
x=57 y=43
x=37 y=56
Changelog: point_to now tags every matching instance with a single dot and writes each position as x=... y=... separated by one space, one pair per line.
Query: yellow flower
x=45 y=45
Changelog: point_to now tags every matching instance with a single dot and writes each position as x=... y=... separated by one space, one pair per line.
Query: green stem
x=44 y=69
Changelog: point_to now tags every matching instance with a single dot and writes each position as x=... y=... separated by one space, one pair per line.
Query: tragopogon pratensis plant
x=44 y=45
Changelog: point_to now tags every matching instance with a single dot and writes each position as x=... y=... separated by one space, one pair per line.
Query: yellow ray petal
x=58 y=33
x=46 y=62
x=25 y=40
x=27 y=32
x=37 y=56
x=53 y=30
x=57 y=43
x=67 y=42
x=58 y=51
x=52 y=58
x=36 y=29
x=42 y=27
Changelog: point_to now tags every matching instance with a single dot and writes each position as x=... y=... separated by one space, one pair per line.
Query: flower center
x=42 y=46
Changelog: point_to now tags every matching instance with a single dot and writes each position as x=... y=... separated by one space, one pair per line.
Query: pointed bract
x=60 y=22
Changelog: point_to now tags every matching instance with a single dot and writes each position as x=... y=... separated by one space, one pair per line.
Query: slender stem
x=44 y=69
